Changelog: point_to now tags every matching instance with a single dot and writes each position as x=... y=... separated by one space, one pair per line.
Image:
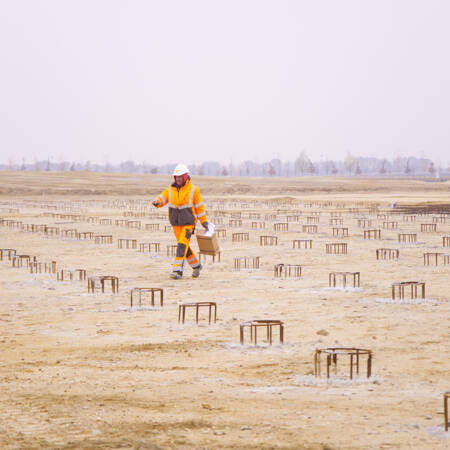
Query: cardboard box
x=207 y=244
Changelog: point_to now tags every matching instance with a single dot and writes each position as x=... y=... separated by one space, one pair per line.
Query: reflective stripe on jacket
x=185 y=204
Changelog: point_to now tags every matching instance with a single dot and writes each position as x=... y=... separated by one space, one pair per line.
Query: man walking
x=185 y=207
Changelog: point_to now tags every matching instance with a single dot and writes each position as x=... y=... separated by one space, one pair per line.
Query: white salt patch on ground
x=310 y=380
x=98 y=294
x=439 y=432
x=219 y=380
x=253 y=348
x=68 y=334
x=341 y=289
x=416 y=301
x=270 y=389
x=308 y=291
x=329 y=289
x=185 y=326
x=137 y=308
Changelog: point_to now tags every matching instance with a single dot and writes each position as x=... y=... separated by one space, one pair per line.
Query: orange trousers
x=184 y=251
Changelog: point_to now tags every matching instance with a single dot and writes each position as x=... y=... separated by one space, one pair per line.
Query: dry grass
x=104 y=184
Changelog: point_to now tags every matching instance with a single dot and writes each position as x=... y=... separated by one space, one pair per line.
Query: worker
x=185 y=208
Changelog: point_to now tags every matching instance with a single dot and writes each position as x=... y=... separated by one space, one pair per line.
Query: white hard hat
x=181 y=169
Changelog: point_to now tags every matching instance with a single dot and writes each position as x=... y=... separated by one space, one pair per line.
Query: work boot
x=176 y=275
x=196 y=271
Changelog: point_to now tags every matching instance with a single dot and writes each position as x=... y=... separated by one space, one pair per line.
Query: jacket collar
x=187 y=183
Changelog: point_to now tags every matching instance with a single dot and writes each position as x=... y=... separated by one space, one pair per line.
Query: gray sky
x=168 y=81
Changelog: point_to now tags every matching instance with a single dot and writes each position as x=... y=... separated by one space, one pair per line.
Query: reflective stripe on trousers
x=184 y=251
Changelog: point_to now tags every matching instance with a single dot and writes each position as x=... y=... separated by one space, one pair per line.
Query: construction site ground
x=83 y=370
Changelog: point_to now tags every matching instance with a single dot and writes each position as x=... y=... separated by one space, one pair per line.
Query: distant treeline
x=301 y=166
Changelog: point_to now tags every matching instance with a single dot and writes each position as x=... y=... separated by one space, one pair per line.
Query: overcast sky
x=189 y=81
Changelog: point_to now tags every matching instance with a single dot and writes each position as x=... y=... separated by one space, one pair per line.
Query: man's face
x=179 y=180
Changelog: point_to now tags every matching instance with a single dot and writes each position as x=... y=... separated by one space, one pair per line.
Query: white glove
x=211 y=228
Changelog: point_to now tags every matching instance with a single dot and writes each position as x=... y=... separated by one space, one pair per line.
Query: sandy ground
x=81 y=370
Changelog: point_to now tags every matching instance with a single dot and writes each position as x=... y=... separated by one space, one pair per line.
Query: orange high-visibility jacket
x=185 y=204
